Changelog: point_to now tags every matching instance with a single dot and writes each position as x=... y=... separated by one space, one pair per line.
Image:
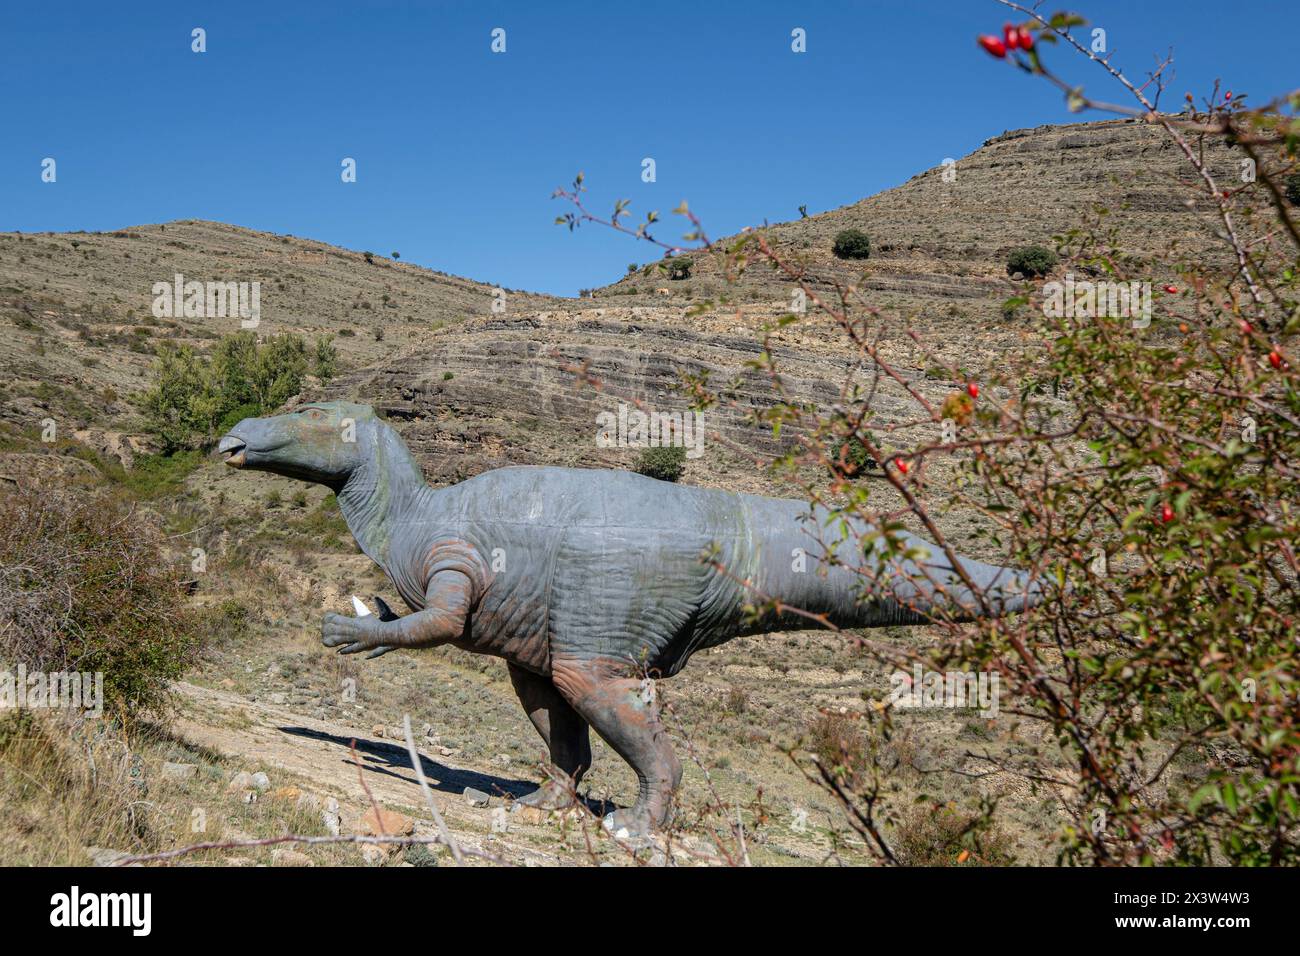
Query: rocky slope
x=82 y=333
x=472 y=389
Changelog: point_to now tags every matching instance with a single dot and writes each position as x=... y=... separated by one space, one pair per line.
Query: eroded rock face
x=529 y=390
x=507 y=389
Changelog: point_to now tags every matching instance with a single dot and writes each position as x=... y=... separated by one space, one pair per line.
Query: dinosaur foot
x=630 y=825
x=549 y=796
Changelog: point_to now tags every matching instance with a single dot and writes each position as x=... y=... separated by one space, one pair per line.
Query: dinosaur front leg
x=565 y=732
x=448 y=598
x=617 y=708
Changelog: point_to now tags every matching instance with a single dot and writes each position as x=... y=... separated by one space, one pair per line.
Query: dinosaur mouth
x=234 y=449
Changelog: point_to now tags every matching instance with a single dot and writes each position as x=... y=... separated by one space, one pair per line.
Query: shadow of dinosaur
x=586 y=581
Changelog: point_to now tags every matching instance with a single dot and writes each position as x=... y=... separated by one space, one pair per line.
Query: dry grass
x=63 y=789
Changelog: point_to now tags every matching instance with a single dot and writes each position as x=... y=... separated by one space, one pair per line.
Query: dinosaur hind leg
x=563 y=730
x=614 y=705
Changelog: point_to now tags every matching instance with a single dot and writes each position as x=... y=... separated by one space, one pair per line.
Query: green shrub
x=158 y=476
x=1031 y=261
x=666 y=464
x=194 y=399
x=85 y=587
x=945 y=835
x=856 y=458
x=326 y=359
x=1293 y=189
x=852 y=244
x=679 y=267
x=237 y=415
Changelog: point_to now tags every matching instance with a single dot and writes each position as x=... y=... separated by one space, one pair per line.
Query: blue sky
x=458 y=149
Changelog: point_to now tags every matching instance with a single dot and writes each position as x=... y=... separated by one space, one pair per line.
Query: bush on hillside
x=195 y=398
x=852 y=244
x=1293 y=189
x=85 y=588
x=1031 y=261
x=853 y=453
x=666 y=464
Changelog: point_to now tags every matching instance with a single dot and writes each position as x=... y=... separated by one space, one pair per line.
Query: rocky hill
x=940 y=241
x=83 y=333
x=472 y=388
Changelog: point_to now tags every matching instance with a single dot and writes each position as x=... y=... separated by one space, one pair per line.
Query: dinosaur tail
x=860 y=580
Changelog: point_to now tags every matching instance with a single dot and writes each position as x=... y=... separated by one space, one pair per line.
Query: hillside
x=940 y=241
x=471 y=389
x=83 y=334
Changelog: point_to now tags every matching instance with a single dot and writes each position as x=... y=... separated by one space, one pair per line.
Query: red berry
x=1010 y=36
x=1228 y=95
x=1166 y=513
x=993 y=46
x=1246 y=327
x=902 y=465
x=1026 y=39
x=973 y=390
x=1275 y=359
x=1171 y=289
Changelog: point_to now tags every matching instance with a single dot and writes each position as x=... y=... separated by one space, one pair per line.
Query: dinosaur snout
x=234 y=448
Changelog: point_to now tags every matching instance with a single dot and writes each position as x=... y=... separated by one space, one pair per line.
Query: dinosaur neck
x=379 y=495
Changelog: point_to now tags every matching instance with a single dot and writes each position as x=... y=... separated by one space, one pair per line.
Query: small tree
x=326 y=361
x=193 y=398
x=852 y=244
x=679 y=267
x=1293 y=189
x=666 y=464
x=1031 y=261
x=855 y=456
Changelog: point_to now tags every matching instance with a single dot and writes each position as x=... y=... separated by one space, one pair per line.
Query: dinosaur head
x=323 y=442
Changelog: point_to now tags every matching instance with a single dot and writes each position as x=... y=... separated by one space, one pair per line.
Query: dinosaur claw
x=379 y=652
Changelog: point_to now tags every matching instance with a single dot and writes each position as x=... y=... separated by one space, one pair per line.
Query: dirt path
x=316 y=756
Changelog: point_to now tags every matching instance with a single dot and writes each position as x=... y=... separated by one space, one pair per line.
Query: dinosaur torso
x=582 y=562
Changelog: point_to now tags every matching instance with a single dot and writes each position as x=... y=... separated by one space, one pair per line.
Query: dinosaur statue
x=587 y=581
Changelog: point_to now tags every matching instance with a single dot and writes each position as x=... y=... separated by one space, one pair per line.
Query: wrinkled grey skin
x=587 y=580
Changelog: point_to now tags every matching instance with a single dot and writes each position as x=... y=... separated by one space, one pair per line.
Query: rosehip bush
x=1146 y=474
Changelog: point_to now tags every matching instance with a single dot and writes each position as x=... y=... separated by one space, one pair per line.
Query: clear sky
x=458 y=149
